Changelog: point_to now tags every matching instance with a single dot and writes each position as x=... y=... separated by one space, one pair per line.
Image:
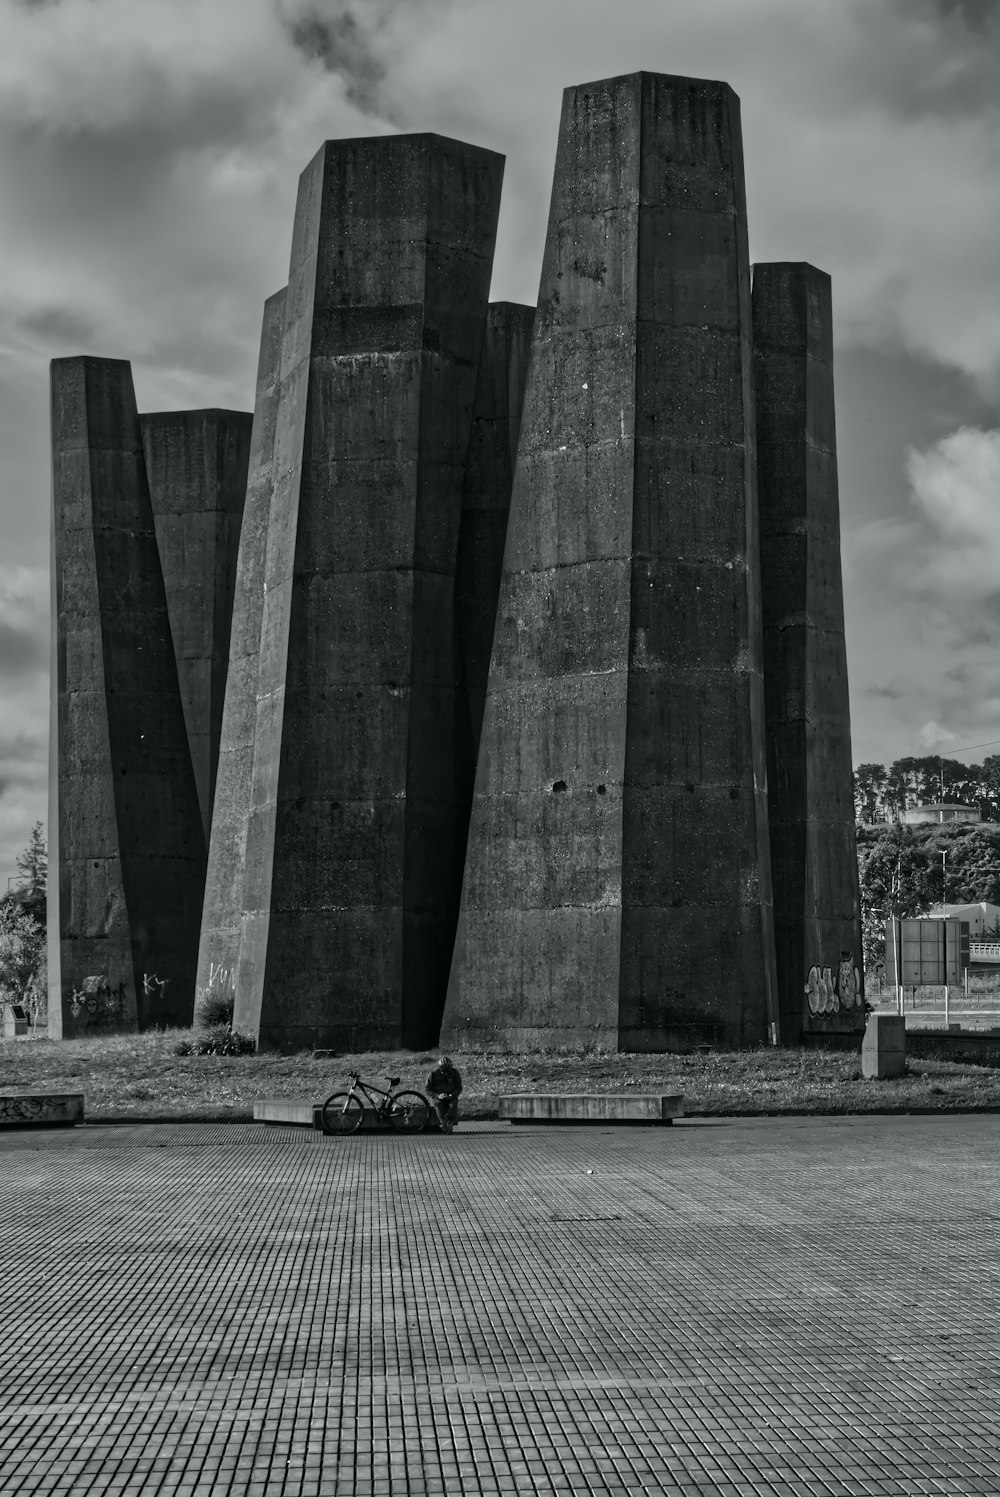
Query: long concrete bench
x=287 y=1110
x=595 y=1107
x=299 y=1114
x=28 y=1109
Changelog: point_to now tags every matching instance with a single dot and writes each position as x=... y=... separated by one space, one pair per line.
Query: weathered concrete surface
x=196 y=464
x=883 y=1048
x=496 y=425
x=554 y=1107
x=617 y=885
x=817 y=912
x=21 y=1108
x=296 y=1112
x=358 y=806
x=131 y=852
x=219 y=947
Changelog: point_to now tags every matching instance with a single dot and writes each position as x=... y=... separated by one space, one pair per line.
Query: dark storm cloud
x=57 y=327
x=338 y=42
x=980 y=15
x=24 y=649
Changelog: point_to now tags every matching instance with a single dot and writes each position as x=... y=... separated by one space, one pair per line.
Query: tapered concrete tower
x=617 y=884
x=813 y=851
x=219 y=948
x=196 y=463
x=350 y=893
x=496 y=426
x=125 y=897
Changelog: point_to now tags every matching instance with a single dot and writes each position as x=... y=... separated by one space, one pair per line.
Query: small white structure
x=940 y=811
x=980 y=917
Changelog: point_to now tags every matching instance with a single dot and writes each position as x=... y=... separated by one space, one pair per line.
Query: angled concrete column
x=219 y=949
x=357 y=810
x=131 y=852
x=617 y=886
x=496 y=425
x=813 y=852
x=196 y=463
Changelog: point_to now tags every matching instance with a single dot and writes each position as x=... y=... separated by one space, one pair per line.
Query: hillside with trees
x=23 y=967
x=902 y=867
x=881 y=793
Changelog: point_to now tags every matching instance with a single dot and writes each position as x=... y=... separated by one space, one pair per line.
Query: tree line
x=23 y=967
x=881 y=793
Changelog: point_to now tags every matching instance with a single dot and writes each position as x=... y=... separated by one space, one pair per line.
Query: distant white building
x=940 y=811
x=981 y=917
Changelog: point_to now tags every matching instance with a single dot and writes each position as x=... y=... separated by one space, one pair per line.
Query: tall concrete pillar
x=617 y=886
x=350 y=896
x=496 y=425
x=219 y=948
x=813 y=852
x=131 y=852
x=196 y=463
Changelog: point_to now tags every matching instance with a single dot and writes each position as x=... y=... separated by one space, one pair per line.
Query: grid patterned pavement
x=768 y=1308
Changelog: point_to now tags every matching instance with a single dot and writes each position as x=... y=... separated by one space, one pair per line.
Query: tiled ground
x=774 y=1307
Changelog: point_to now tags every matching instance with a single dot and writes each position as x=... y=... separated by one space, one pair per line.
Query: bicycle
x=405 y=1112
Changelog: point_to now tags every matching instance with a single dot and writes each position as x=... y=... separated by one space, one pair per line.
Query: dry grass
x=141 y=1077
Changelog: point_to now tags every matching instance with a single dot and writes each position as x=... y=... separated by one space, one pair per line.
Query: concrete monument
x=496 y=425
x=196 y=463
x=350 y=888
x=128 y=851
x=219 y=948
x=617 y=882
x=817 y=912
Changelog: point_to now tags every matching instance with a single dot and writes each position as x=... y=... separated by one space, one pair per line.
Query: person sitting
x=444 y=1085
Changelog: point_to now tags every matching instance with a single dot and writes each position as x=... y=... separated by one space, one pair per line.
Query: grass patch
x=135 y=1077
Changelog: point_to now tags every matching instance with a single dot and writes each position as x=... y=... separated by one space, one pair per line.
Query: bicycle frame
x=370 y=1092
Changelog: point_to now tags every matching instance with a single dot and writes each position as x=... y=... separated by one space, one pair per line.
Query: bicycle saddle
x=393 y=1080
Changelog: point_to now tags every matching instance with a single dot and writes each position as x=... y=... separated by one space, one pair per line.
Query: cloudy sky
x=149 y=153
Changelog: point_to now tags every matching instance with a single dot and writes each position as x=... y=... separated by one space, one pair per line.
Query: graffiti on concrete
x=97 y=996
x=848 y=982
x=152 y=985
x=830 y=993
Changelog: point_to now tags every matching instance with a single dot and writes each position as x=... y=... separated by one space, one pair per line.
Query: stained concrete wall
x=617 y=884
x=351 y=895
x=813 y=850
x=131 y=853
x=196 y=464
x=219 y=948
x=496 y=425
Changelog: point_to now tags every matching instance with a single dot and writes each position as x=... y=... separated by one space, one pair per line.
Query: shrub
x=218 y=1040
x=214 y=1009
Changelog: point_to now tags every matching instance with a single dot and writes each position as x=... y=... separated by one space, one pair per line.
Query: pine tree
x=33 y=863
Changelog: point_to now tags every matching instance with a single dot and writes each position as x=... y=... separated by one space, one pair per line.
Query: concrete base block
x=288 y=1110
x=299 y=1114
x=601 y=1108
x=883 y=1049
x=23 y=1109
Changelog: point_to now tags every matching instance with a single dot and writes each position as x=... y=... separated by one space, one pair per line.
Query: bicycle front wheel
x=342 y=1113
x=408 y=1112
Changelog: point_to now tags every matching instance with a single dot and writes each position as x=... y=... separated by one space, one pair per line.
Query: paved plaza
x=798 y=1306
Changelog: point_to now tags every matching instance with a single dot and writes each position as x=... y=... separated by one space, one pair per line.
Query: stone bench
x=288 y=1111
x=299 y=1114
x=595 y=1107
x=27 y=1109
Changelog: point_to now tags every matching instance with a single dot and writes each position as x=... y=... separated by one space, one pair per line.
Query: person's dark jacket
x=445 y=1080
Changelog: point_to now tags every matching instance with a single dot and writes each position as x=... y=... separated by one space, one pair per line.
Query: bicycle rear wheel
x=342 y=1113
x=408 y=1112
